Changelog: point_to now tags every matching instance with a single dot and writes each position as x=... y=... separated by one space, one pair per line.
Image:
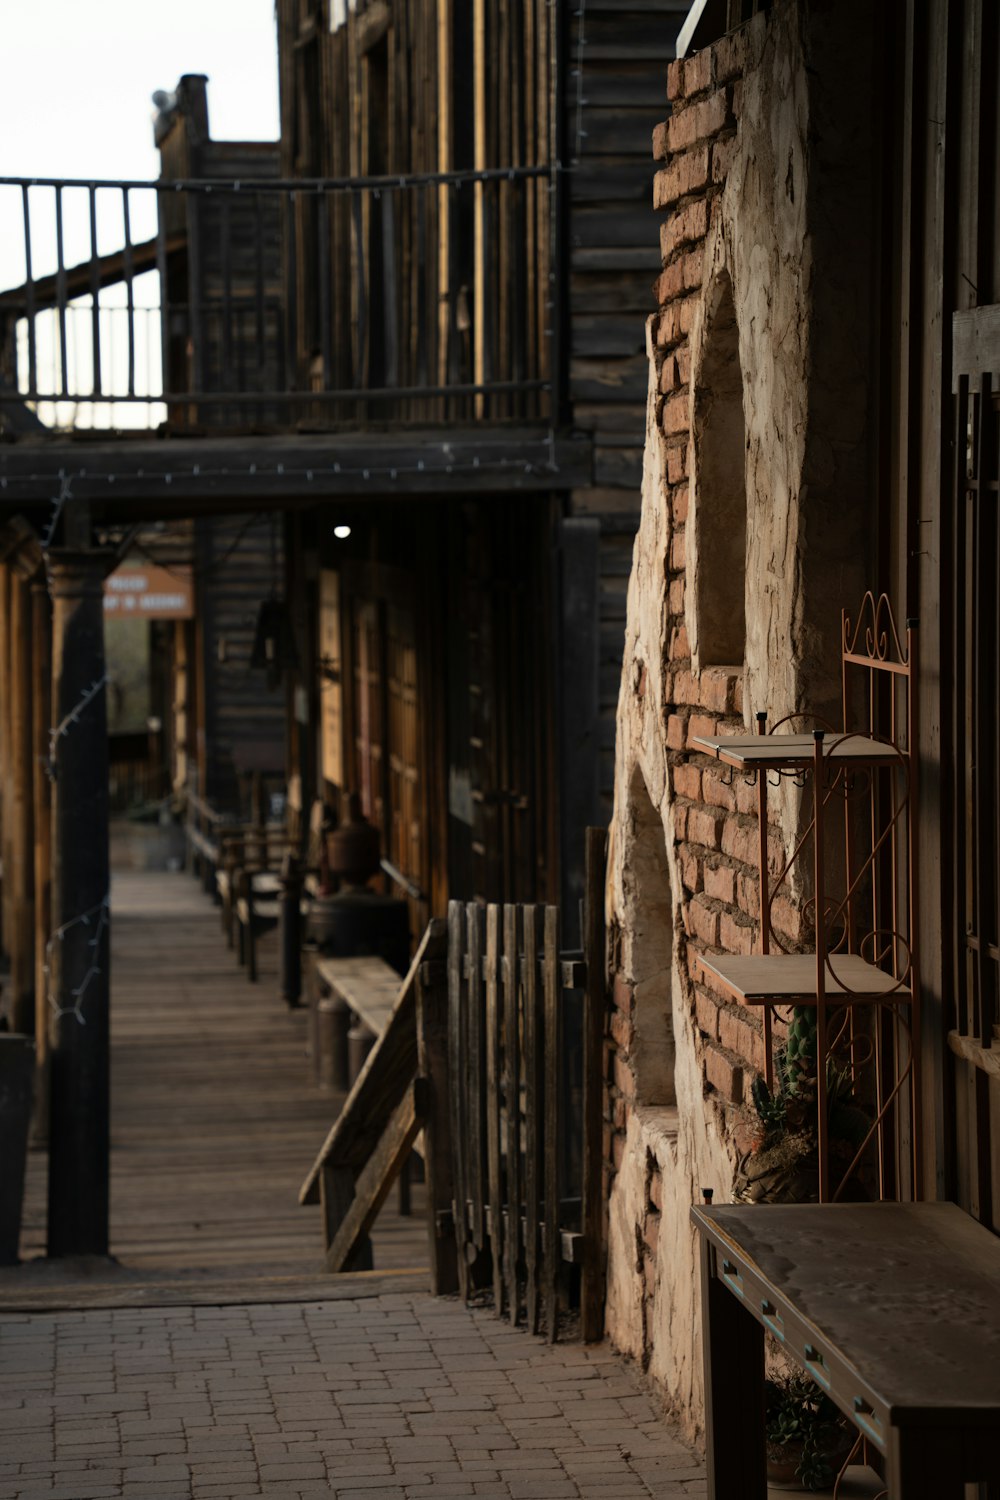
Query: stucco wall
x=759 y=348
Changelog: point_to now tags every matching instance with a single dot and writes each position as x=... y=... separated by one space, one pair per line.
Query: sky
x=76 y=102
x=78 y=76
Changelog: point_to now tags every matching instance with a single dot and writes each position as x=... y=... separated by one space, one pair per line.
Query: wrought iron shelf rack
x=862 y=977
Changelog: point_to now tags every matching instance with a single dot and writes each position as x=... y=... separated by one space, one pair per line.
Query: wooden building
x=419 y=316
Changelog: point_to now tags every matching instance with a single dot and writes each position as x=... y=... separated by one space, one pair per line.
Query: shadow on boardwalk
x=215 y=1121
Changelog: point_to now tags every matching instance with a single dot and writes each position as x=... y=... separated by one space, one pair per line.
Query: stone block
x=724 y=1074
x=720 y=883
x=699 y=121
x=704 y=922
x=689 y=172
x=705 y=827
x=684 y=226
x=687 y=780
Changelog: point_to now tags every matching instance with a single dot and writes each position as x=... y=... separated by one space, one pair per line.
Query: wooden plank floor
x=215 y=1121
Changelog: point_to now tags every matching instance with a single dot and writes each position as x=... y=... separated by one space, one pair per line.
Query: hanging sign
x=149 y=593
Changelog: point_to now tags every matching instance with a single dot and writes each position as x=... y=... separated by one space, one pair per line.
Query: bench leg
x=920 y=1467
x=405 y=1180
x=241 y=943
x=734 y=1391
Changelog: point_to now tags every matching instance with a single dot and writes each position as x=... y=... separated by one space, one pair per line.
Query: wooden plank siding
x=240 y=564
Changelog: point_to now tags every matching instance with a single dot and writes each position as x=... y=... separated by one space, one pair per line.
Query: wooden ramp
x=213 y=1109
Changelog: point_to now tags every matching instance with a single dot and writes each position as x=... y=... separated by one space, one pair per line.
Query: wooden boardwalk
x=215 y=1120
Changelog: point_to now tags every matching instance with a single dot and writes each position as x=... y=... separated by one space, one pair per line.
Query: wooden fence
x=497 y=1053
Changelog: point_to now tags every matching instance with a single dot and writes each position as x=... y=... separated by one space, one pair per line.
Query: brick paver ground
x=386 y=1398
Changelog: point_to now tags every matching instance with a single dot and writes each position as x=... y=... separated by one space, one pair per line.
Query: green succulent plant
x=803 y=1422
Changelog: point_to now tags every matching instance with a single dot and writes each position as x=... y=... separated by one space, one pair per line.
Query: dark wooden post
x=592 y=1291
x=79 y=946
x=41 y=711
x=21 y=872
x=6 y=922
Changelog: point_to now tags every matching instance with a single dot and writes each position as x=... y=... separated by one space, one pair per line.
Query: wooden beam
x=432 y=1060
x=378 y=1175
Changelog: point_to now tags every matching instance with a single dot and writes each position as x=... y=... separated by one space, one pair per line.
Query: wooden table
x=894 y=1308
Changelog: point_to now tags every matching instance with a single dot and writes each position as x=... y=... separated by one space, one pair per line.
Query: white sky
x=76 y=85
x=78 y=76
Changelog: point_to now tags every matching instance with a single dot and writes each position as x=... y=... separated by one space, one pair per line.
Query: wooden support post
x=41 y=710
x=79 y=947
x=733 y=1350
x=432 y=1064
x=21 y=871
x=6 y=922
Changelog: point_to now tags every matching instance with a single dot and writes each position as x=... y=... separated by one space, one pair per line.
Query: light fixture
x=341 y=533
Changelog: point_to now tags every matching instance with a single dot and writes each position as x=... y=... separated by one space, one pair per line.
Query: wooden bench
x=369 y=1145
x=892 y=1308
x=354 y=994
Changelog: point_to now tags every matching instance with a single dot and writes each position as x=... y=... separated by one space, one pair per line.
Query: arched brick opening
x=649 y=949
x=720 y=502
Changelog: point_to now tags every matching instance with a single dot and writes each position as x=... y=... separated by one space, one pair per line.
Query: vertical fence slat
x=493 y=1100
x=95 y=293
x=457 y=1049
x=323 y=269
x=29 y=291
x=162 y=271
x=435 y=1067
x=553 y=1054
x=533 y=1094
x=61 y=295
x=291 y=294
x=260 y=284
x=592 y=1221
x=129 y=269
x=512 y=1099
x=475 y=1135
x=226 y=273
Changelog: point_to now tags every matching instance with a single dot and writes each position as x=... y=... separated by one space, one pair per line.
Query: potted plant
x=782 y=1164
x=808 y=1440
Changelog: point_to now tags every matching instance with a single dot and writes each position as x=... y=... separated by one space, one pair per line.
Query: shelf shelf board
x=763 y=751
x=790 y=978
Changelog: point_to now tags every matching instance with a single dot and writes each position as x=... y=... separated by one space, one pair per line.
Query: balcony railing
x=206 y=304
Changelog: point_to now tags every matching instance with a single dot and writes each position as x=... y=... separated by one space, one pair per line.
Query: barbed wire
x=102 y=913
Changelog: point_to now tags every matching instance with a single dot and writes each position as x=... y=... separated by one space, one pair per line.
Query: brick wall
x=714 y=814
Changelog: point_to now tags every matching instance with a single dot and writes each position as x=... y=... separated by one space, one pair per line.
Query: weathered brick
x=680 y=647
x=669 y=378
x=705 y=827
x=698 y=72
x=690 y=869
x=746 y=795
x=677 y=413
x=717 y=793
x=685 y=688
x=675 y=321
x=617 y=1151
x=737 y=1034
x=683 y=227
x=623 y=995
x=624 y=1078
x=704 y=923
x=678 y=552
x=720 y=882
x=651 y=1232
x=717 y=689
x=676 y=732
x=706 y=1014
x=739 y=840
x=736 y=934
x=622 y=1031
x=787 y=918
x=677 y=466
x=687 y=780
x=680 y=821
x=620 y=1113
x=675 y=79
x=688 y=172
x=675 y=597
x=722 y=158
x=731 y=53
x=699 y=121
x=700 y=724
x=724 y=1074
x=679 y=501
x=660 y=149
